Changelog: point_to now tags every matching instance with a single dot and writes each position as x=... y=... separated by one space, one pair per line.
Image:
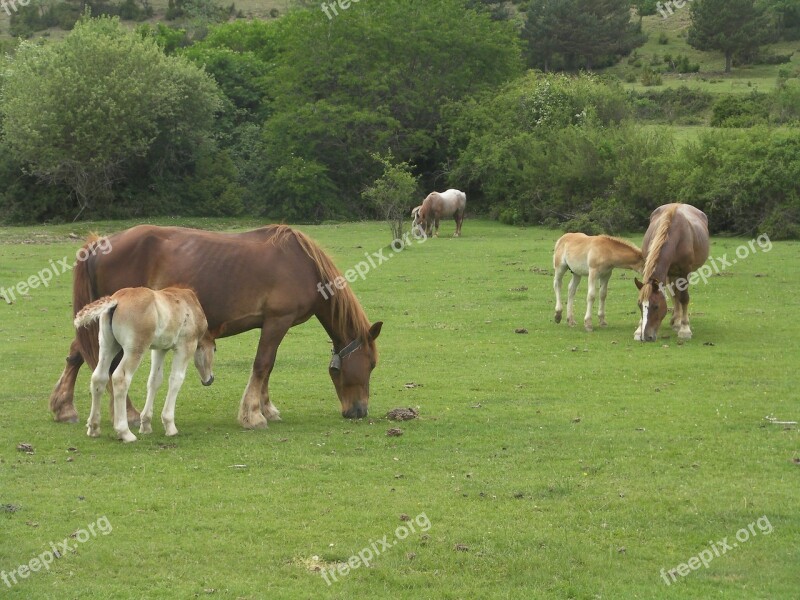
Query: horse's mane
x=654 y=251
x=347 y=311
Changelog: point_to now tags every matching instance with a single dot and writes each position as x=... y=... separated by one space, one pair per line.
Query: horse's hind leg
x=121 y=382
x=256 y=408
x=108 y=349
x=459 y=217
x=176 y=376
x=682 y=299
x=573 y=288
x=590 y=295
x=560 y=270
x=61 y=399
x=601 y=311
x=153 y=383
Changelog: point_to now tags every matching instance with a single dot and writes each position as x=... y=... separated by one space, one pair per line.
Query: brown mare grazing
x=264 y=279
x=595 y=256
x=436 y=205
x=675 y=244
x=134 y=320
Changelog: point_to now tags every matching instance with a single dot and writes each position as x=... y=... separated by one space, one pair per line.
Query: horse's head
x=350 y=369
x=653 y=307
x=204 y=358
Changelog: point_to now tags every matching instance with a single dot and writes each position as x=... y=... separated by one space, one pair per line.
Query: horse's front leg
x=256 y=408
x=436 y=225
x=62 y=397
x=153 y=383
x=573 y=288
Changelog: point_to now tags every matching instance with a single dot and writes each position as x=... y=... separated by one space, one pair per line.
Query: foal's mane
x=654 y=252
x=347 y=312
x=617 y=240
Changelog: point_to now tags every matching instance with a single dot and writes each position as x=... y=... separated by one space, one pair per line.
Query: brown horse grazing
x=267 y=279
x=451 y=203
x=675 y=244
x=595 y=256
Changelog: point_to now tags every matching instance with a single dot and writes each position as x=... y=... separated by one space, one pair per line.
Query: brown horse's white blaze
x=266 y=279
x=451 y=203
x=134 y=320
x=595 y=256
x=675 y=244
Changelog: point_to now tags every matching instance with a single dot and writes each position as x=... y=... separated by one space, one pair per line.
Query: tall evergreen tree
x=582 y=33
x=729 y=26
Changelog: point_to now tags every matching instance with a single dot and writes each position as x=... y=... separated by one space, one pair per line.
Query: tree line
x=293 y=119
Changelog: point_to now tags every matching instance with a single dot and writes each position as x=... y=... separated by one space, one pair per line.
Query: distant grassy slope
x=252 y=9
x=712 y=64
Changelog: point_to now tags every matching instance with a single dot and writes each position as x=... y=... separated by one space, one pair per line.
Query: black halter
x=338 y=357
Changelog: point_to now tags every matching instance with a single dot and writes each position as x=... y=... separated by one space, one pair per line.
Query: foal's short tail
x=92 y=312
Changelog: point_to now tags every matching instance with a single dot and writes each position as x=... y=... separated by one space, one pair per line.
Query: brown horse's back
x=688 y=239
x=240 y=279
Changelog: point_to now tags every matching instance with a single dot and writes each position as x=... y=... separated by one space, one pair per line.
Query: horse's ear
x=375 y=330
x=639 y=284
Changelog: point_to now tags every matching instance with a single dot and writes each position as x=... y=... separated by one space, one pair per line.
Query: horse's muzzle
x=357 y=411
x=209 y=382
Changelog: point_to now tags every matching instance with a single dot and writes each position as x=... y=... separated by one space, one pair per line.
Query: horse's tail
x=92 y=312
x=557 y=254
x=84 y=292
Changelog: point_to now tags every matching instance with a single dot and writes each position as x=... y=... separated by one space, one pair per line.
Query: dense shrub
x=747 y=182
x=741 y=111
x=671 y=104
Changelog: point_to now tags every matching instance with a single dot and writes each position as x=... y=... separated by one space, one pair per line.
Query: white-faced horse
x=595 y=256
x=137 y=319
x=436 y=205
x=674 y=245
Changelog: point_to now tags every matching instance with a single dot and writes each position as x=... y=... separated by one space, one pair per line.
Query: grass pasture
x=552 y=464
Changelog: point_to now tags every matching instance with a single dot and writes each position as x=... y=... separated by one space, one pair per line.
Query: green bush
x=747 y=182
x=741 y=111
x=650 y=77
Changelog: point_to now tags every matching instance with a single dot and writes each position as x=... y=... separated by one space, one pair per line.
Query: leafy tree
x=391 y=192
x=729 y=26
x=376 y=77
x=89 y=111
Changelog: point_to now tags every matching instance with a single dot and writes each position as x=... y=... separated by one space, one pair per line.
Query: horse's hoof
x=67 y=414
x=170 y=431
x=571 y=322
x=134 y=419
x=603 y=324
x=558 y=317
x=126 y=436
x=146 y=428
x=93 y=432
x=257 y=421
x=589 y=328
x=684 y=335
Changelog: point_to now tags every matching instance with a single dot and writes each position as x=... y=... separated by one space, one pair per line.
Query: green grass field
x=552 y=464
